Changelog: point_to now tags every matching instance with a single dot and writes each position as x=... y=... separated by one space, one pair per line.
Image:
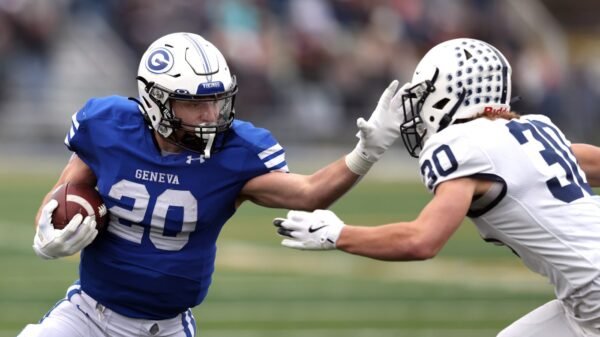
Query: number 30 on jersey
x=442 y=163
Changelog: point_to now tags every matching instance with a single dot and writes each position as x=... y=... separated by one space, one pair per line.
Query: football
x=78 y=198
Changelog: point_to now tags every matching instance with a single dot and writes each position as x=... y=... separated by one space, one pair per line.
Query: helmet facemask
x=200 y=138
x=414 y=130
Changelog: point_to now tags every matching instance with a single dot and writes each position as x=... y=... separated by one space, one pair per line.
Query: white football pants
x=549 y=320
x=79 y=315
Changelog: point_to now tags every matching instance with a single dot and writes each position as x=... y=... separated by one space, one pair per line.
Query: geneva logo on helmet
x=160 y=61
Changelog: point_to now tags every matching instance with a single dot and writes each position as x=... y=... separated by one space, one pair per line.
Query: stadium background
x=306 y=69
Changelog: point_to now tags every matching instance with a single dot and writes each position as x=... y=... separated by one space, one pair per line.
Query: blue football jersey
x=157 y=256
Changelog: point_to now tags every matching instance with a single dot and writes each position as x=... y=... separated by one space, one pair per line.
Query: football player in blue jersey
x=172 y=167
x=518 y=178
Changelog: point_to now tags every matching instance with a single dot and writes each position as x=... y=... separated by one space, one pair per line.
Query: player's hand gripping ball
x=78 y=198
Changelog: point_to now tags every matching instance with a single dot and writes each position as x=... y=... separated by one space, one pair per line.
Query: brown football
x=78 y=198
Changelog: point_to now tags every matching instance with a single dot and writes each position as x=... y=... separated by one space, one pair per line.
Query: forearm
x=328 y=184
x=301 y=192
x=421 y=238
x=39 y=212
x=393 y=242
x=75 y=171
x=48 y=195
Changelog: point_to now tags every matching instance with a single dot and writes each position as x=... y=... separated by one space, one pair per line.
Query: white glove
x=378 y=133
x=318 y=230
x=50 y=243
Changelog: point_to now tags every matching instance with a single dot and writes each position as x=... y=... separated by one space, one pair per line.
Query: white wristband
x=356 y=163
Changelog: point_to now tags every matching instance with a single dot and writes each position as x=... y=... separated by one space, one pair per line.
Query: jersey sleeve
x=272 y=155
x=264 y=154
x=79 y=139
x=95 y=128
x=450 y=155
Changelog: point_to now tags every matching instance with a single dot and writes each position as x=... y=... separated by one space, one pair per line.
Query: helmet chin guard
x=456 y=80
x=186 y=67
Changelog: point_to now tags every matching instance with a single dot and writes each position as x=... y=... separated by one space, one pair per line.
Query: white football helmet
x=455 y=81
x=185 y=66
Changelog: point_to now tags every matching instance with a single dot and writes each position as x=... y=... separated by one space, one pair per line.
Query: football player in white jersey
x=156 y=259
x=516 y=177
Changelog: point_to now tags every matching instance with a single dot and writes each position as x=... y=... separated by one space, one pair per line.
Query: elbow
x=421 y=250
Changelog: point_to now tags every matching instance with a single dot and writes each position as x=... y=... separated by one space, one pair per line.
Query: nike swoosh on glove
x=318 y=230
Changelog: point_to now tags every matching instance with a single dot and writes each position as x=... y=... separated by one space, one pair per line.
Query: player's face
x=196 y=113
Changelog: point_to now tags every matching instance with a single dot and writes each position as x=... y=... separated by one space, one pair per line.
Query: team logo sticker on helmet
x=208 y=88
x=160 y=61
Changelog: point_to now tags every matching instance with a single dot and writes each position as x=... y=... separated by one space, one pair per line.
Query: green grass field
x=263 y=289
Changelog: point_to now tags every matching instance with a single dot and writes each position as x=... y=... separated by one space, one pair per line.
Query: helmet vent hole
x=440 y=104
x=431 y=119
x=176 y=75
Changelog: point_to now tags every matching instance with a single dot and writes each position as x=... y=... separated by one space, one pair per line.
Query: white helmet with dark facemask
x=186 y=67
x=456 y=80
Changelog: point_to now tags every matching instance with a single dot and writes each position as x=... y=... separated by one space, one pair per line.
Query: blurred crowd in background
x=306 y=68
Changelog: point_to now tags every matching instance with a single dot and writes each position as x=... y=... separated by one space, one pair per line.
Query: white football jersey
x=542 y=206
